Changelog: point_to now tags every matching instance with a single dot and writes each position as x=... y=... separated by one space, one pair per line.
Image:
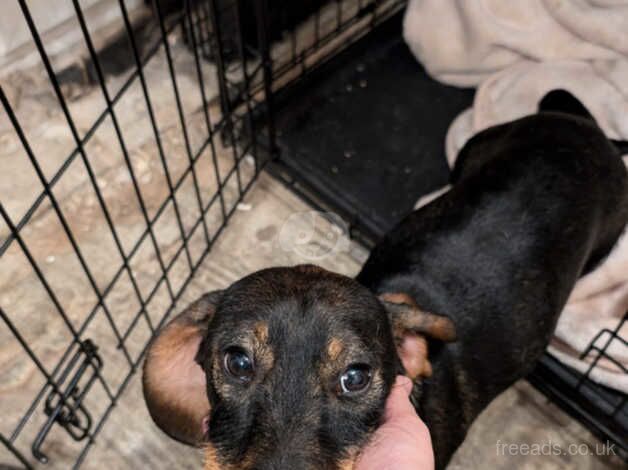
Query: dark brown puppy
x=289 y=367
x=535 y=203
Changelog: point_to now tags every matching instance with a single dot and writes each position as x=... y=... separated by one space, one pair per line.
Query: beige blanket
x=463 y=42
x=516 y=52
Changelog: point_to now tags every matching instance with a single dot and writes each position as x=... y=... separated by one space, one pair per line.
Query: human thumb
x=398 y=404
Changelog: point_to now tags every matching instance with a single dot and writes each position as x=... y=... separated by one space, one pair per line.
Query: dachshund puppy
x=289 y=368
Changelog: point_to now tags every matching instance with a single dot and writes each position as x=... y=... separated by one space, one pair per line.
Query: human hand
x=403 y=441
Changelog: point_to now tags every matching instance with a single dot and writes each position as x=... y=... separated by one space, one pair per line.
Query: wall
x=56 y=22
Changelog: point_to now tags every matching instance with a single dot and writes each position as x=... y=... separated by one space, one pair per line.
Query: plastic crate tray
x=366 y=148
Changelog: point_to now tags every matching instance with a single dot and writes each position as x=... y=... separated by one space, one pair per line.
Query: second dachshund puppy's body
x=535 y=203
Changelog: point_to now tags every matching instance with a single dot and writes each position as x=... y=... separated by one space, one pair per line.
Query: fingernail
x=205 y=425
x=405 y=383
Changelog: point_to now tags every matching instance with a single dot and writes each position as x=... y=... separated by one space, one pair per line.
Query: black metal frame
x=80 y=367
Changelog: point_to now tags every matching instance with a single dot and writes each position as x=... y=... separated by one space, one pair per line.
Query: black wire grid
x=295 y=51
x=80 y=368
x=604 y=411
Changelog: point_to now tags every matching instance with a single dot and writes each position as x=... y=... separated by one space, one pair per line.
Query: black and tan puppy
x=289 y=368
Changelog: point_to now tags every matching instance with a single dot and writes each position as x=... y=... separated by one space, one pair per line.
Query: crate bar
x=153 y=121
x=110 y=111
x=607 y=356
x=54 y=203
x=203 y=25
x=338 y=14
x=376 y=4
x=150 y=52
x=31 y=354
x=261 y=9
x=293 y=47
x=548 y=378
x=123 y=148
x=22 y=341
x=75 y=334
x=369 y=8
x=317 y=28
x=252 y=134
x=177 y=96
x=36 y=268
x=16 y=453
x=208 y=123
x=224 y=91
x=73 y=130
x=601 y=351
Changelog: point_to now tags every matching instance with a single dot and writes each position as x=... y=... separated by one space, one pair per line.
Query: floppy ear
x=175 y=387
x=412 y=328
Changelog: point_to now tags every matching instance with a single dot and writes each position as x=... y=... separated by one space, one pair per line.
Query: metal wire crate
x=258 y=75
x=202 y=179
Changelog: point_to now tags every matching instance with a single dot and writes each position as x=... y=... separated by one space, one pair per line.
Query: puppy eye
x=355 y=379
x=238 y=364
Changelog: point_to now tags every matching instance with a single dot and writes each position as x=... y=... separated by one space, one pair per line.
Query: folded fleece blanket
x=463 y=42
x=517 y=52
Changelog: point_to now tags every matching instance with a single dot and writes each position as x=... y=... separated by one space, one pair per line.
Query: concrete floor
x=271 y=227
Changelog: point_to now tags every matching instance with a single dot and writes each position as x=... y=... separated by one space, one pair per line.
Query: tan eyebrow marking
x=261 y=332
x=263 y=351
x=334 y=348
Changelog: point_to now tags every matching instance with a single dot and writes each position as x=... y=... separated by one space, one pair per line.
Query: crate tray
x=337 y=126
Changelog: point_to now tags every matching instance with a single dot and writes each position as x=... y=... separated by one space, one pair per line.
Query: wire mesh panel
x=299 y=37
x=602 y=409
x=114 y=198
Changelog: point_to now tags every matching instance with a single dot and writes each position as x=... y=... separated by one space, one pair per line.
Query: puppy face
x=287 y=368
x=299 y=362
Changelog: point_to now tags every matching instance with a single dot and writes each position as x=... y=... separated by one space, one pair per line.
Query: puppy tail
x=564 y=102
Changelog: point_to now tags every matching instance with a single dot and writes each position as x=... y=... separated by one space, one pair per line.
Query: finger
x=398 y=404
x=413 y=355
x=403 y=382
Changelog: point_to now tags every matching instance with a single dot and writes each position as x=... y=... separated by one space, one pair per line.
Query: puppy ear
x=175 y=387
x=412 y=328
